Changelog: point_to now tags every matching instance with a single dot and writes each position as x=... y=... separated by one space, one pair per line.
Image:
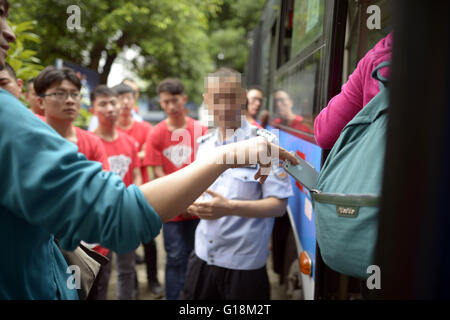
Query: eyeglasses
x=63 y=95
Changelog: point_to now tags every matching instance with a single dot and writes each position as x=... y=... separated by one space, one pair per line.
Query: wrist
x=232 y=206
x=222 y=157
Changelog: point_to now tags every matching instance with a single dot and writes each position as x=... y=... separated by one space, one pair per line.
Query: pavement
x=277 y=291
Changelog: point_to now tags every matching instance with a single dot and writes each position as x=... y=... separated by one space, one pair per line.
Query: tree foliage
x=229 y=32
x=174 y=38
x=23 y=60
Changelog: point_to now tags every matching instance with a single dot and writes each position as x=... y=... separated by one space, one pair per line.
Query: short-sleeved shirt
x=49 y=188
x=92 y=147
x=173 y=150
x=122 y=156
x=40 y=117
x=139 y=131
x=235 y=242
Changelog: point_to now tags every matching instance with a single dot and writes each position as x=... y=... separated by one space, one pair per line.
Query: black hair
x=171 y=85
x=123 y=88
x=102 y=90
x=50 y=76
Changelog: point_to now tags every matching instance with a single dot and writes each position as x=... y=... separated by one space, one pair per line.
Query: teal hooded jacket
x=47 y=190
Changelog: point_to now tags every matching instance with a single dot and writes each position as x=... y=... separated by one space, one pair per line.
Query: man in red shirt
x=139 y=131
x=170 y=146
x=123 y=159
x=287 y=119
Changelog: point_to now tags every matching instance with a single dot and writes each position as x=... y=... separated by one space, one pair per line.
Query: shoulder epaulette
x=266 y=134
x=204 y=137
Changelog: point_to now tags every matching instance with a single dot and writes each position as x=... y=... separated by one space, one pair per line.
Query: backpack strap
x=376 y=74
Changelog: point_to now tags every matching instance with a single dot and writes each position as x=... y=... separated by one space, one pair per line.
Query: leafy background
x=173 y=38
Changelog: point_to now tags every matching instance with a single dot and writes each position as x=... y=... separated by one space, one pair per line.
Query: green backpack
x=346 y=207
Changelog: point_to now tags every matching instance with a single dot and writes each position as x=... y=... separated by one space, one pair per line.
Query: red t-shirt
x=122 y=156
x=173 y=150
x=40 y=117
x=139 y=131
x=92 y=147
x=297 y=124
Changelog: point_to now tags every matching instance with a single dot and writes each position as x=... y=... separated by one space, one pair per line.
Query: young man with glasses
x=58 y=92
x=171 y=146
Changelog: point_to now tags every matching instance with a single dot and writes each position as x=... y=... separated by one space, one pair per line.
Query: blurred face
x=61 y=101
x=106 y=108
x=127 y=102
x=283 y=104
x=6 y=34
x=225 y=101
x=173 y=104
x=33 y=99
x=255 y=99
x=10 y=84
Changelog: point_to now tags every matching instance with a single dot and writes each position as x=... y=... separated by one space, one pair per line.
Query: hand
x=255 y=151
x=215 y=208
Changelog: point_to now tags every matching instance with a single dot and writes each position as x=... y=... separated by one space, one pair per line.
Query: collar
x=241 y=133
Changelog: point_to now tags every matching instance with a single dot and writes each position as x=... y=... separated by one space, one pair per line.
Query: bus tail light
x=305 y=263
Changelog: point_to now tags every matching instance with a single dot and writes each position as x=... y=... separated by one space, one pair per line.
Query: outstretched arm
x=172 y=194
x=220 y=206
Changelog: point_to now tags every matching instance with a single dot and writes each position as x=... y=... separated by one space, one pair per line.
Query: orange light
x=305 y=263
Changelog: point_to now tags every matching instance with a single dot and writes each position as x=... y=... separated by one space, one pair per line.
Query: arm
x=141 y=154
x=220 y=206
x=340 y=110
x=172 y=194
x=137 y=176
x=158 y=171
x=96 y=204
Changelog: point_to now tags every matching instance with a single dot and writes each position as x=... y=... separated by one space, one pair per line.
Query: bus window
x=293 y=98
x=308 y=24
x=286 y=32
